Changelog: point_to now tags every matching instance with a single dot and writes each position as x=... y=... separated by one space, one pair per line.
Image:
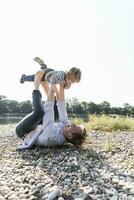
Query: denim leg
x=43 y=66
x=30 y=121
x=29 y=78
x=56 y=113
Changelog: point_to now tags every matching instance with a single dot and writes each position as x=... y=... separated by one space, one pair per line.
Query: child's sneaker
x=38 y=60
x=44 y=66
x=22 y=79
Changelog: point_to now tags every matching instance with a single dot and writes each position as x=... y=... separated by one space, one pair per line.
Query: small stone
x=29 y=176
x=95 y=189
x=44 y=197
x=87 y=197
x=130 y=198
x=40 y=185
x=131 y=191
x=4 y=190
x=114 y=197
x=90 y=190
x=33 y=197
x=111 y=191
x=60 y=198
x=53 y=194
x=35 y=191
x=13 y=197
x=18 y=179
x=115 y=180
x=22 y=196
x=121 y=182
x=31 y=181
x=40 y=164
x=1 y=197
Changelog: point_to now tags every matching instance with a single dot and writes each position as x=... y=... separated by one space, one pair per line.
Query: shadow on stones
x=75 y=163
x=80 y=165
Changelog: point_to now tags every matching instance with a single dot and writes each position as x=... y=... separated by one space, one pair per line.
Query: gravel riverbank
x=102 y=170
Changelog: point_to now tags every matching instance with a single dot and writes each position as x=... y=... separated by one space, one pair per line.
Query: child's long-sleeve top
x=55 y=77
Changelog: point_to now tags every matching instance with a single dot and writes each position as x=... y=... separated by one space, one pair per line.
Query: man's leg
x=56 y=113
x=29 y=122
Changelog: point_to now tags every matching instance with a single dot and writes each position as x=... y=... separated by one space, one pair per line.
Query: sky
x=96 y=36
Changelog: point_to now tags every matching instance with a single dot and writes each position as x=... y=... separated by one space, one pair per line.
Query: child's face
x=72 y=78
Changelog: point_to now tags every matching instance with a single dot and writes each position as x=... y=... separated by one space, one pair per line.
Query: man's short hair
x=78 y=137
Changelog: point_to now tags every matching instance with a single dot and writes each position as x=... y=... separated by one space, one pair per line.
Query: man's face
x=71 y=129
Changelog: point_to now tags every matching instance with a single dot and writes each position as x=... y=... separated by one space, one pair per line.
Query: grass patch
x=110 y=146
x=106 y=123
x=109 y=124
x=78 y=120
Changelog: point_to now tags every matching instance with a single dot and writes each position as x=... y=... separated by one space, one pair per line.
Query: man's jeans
x=30 y=121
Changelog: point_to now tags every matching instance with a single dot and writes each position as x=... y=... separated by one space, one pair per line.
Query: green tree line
x=13 y=106
x=73 y=106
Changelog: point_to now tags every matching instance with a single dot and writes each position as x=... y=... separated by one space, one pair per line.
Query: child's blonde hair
x=76 y=72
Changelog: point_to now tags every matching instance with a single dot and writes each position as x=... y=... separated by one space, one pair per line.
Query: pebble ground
x=103 y=169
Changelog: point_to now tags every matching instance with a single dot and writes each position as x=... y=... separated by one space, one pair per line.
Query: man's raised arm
x=62 y=105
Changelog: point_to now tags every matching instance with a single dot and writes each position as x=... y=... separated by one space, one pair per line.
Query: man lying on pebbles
x=49 y=133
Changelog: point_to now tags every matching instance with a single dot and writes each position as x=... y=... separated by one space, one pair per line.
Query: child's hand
x=67 y=84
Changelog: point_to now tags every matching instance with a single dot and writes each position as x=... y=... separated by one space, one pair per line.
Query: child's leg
x=29 y=122
x=40 y=62
x=29 y=78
